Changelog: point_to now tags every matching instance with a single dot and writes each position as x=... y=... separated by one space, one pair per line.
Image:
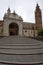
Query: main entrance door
x=13 y=29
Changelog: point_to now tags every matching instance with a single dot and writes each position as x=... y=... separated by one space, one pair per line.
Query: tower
x=38 y=18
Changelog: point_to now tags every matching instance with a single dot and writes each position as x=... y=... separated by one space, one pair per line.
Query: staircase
x=20 y=50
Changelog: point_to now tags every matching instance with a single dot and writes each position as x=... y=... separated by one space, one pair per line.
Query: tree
x=40 y=32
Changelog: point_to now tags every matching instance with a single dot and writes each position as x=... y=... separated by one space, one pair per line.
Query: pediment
x=13 y=16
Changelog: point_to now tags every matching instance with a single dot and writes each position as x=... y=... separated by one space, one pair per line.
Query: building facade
x=12 y=24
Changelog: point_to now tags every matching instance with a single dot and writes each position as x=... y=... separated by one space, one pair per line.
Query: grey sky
x=24 y=8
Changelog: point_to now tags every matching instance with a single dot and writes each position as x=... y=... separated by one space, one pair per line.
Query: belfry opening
x=13 y=29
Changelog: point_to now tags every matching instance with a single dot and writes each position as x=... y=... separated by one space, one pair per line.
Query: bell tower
x=38 y=18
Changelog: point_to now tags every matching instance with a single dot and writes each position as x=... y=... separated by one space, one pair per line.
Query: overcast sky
x=24 y=8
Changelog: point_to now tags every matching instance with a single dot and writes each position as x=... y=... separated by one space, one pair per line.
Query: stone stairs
x=20 y=50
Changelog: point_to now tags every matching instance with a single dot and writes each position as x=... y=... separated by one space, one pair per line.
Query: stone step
x=21 y=58
x=21 y=51
x=21 y=46
x=17 y=40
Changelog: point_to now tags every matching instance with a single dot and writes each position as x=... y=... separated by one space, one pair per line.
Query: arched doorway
x=13 y=29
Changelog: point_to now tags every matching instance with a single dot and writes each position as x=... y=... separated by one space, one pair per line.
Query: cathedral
x=12 y=24
x=16 y=46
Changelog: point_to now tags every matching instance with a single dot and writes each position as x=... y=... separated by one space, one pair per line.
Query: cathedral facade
x=12 y=24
